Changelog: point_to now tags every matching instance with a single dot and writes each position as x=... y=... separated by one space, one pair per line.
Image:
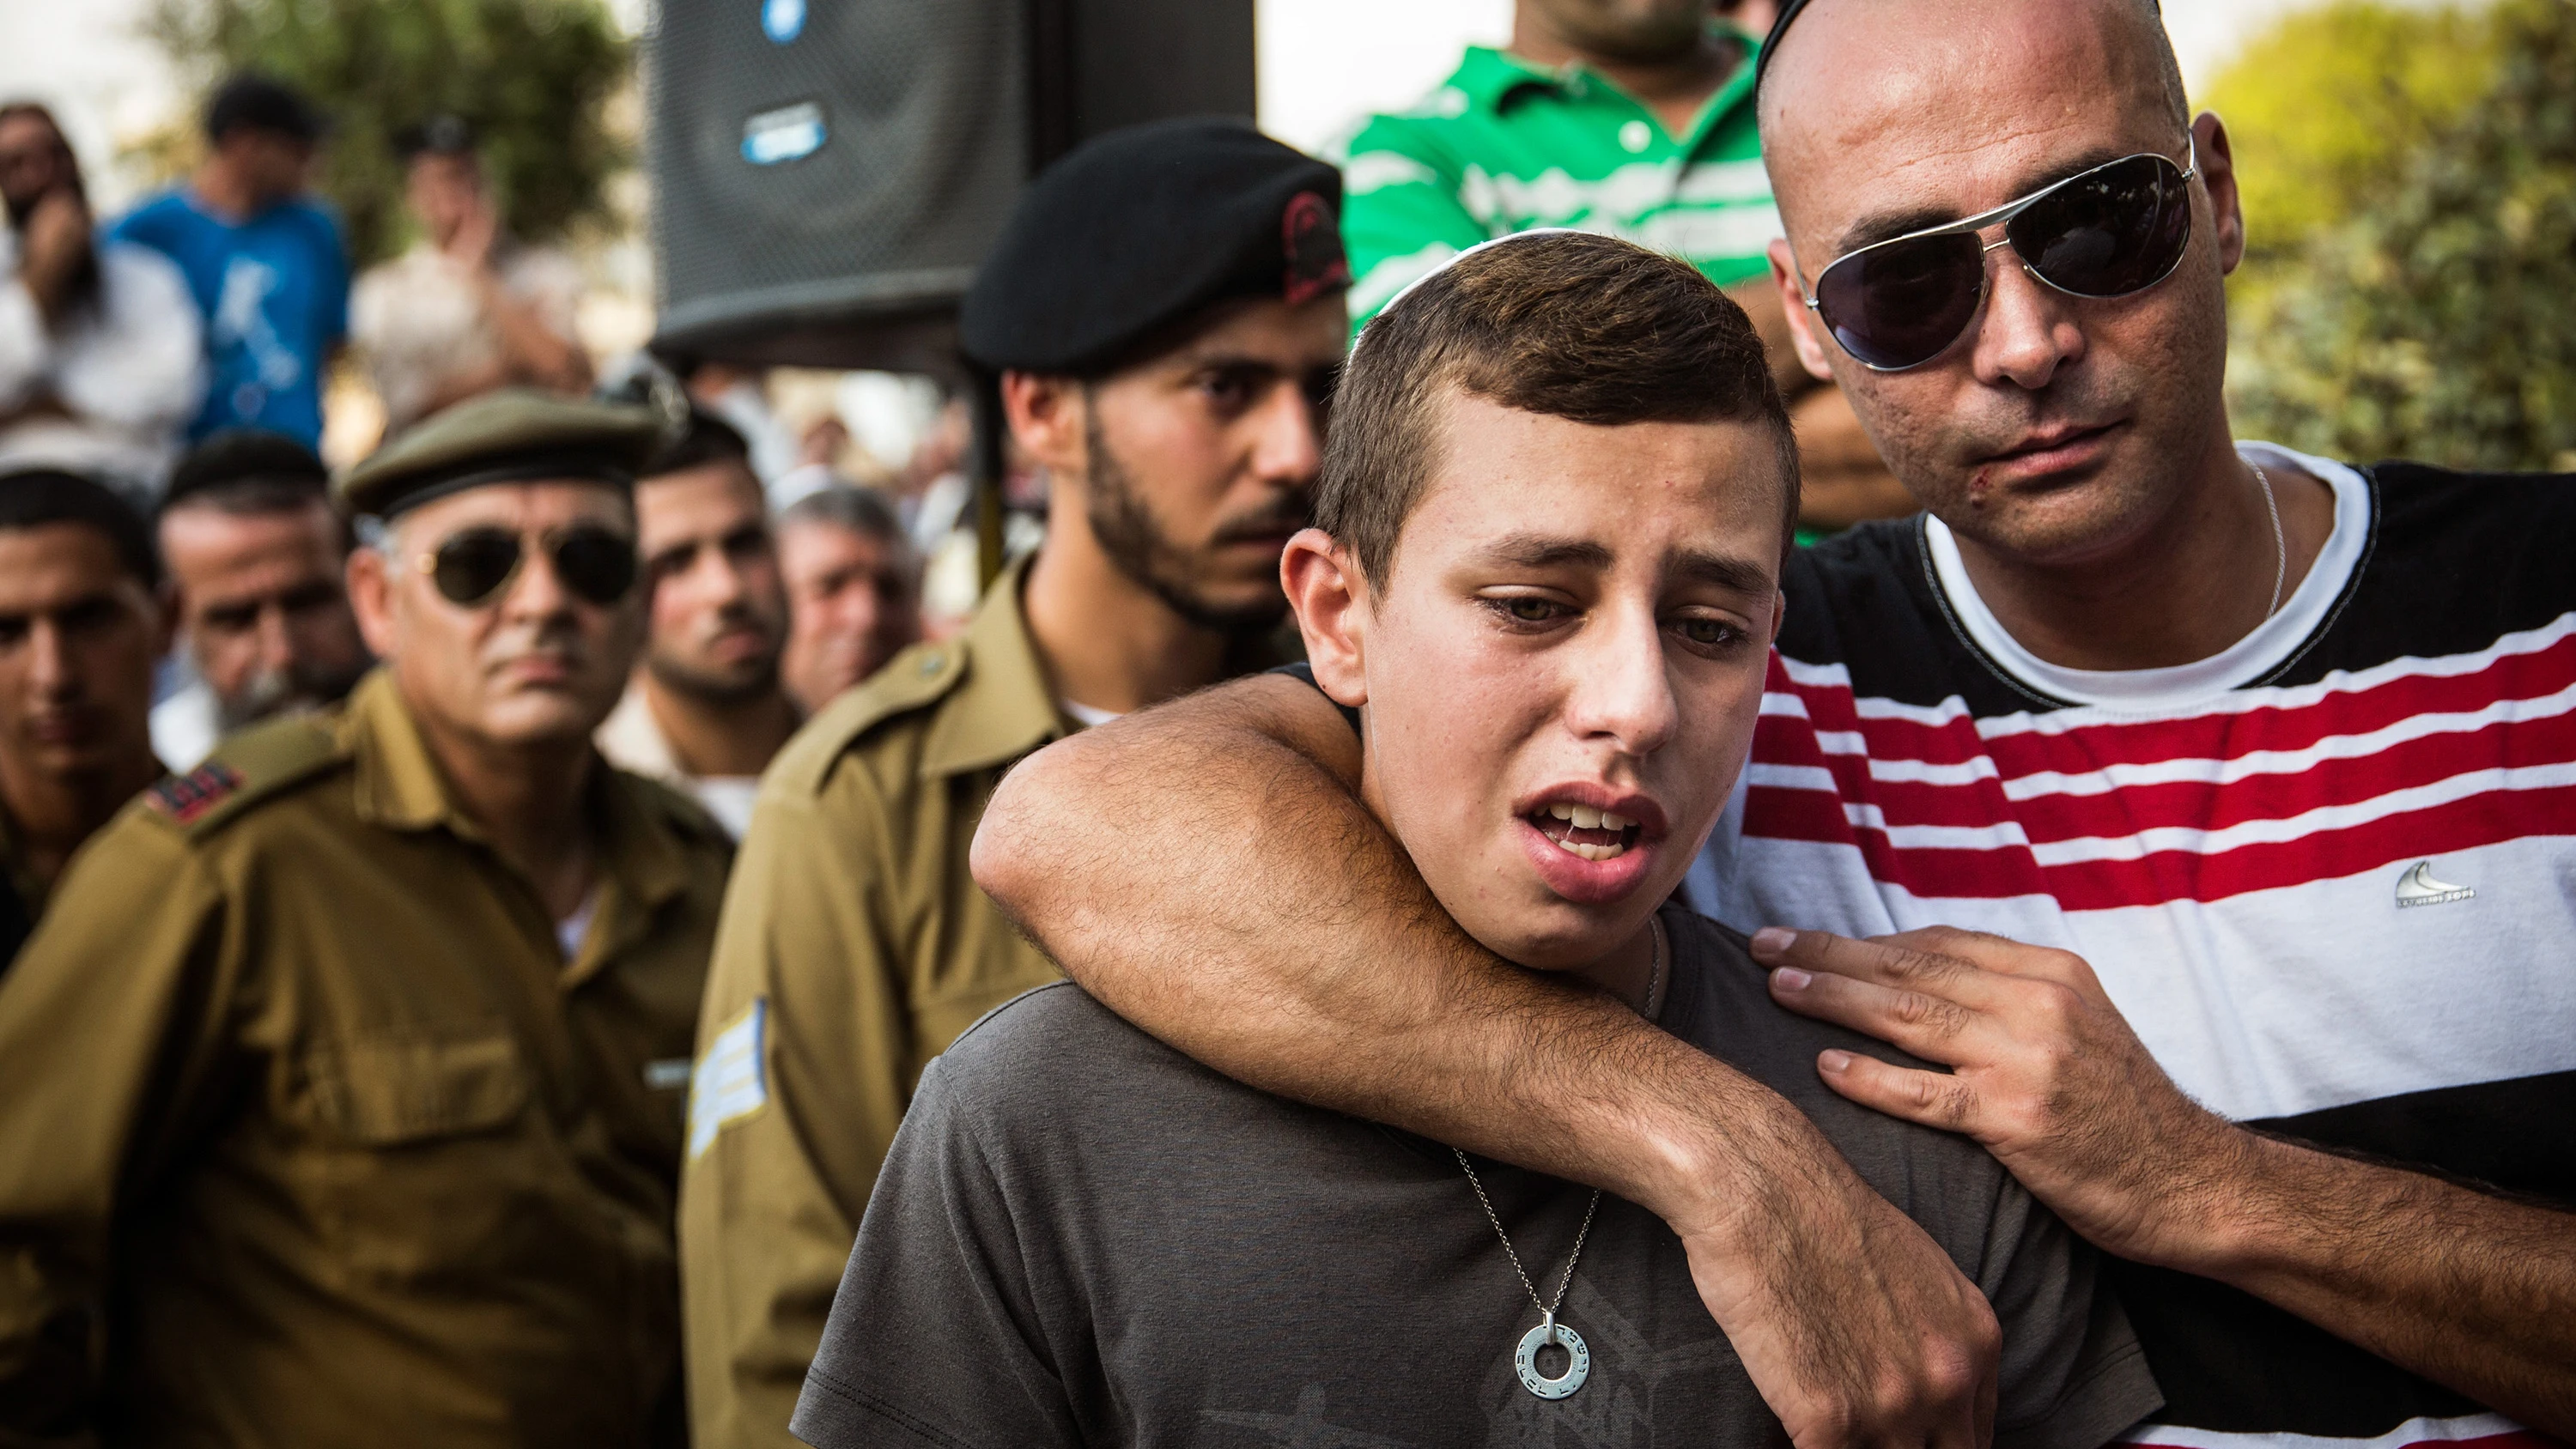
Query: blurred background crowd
x=254 y=245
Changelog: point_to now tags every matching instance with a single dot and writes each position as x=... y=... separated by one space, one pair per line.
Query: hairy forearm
x=2474 y=1291
x=1298 y=950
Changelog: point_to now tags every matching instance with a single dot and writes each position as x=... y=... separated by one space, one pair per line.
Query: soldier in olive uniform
x=345 y=1075
x=84 y=616
x=1165 y=316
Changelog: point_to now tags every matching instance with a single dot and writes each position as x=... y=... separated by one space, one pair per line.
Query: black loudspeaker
x=826 y=174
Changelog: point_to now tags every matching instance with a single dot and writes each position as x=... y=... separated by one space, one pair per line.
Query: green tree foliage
x=533 y=76
x=2418 y=295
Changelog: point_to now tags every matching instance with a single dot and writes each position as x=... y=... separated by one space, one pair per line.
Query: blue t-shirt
x=274 y=291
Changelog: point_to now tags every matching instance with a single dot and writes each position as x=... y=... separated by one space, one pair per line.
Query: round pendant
x=1578 y=1361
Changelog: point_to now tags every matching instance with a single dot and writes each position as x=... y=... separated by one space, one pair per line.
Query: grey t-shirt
x=1084 y=1237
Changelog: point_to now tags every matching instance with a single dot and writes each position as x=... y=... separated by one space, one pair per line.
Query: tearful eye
x=1707 y=631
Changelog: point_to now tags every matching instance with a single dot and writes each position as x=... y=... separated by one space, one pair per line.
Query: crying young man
x=1555 y=501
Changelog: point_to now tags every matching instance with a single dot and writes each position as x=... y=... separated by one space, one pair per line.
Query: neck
x=1106 y=640
x=1629 y=973
x=715 y=738
x=528 y=799
x=2194 y=581
x=221 y=190
x=1673 y=87
x=54 y=813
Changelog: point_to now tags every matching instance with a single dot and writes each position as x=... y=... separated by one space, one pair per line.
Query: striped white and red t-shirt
x=2329 y=875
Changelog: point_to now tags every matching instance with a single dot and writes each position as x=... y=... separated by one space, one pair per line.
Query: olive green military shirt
x=855 y=947
x=314 y=1137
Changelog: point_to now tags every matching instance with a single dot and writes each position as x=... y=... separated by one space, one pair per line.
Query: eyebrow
x=1878 y=226
x=1717 y=570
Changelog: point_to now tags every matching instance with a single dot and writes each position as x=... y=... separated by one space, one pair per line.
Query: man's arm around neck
x=1205 y=869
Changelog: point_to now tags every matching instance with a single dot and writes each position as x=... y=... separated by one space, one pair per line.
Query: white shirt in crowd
x=419 y=319
x=633 y=741
x=128 y=371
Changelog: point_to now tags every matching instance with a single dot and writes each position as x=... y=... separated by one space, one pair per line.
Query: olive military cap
x=511 y=436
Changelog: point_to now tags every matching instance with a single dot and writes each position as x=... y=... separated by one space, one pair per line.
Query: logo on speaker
x=789 y=133
x=782 y=20
x=1313 y=245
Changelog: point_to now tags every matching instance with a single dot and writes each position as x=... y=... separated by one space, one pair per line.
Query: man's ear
x=2218 y=173
x=1793 y=301
x=1048 y=415
x=1326 y=588
x=371 y=599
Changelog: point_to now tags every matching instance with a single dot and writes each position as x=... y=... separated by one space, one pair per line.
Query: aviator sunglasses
x=2118 y=228
x=469 y=568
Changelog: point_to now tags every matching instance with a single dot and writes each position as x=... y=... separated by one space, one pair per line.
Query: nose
x=537 y=592
x=276 y=637
x=1624 y=693
x=49 y=661
x=1288 y=448
x=2028 y=329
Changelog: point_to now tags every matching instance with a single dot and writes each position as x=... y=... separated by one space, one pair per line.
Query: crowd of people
x=1688 y=788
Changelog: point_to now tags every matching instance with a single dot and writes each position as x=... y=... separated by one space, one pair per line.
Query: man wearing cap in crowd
x=469 y=308
x=83 y=618
x=257 y=555
x=346 y=1072
x=1164 y=317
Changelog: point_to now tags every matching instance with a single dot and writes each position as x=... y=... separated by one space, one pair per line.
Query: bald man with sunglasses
x=345 y=1078
x=2206 y=801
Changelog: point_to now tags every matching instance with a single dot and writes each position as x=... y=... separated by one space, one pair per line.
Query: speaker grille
x=922 y=116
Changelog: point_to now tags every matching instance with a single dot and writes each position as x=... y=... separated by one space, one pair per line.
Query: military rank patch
x=731 y=1081
x=185 y=797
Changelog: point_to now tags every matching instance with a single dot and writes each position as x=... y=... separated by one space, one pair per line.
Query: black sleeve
x=2073 y=1376
x=1301 y=670
x=934 y=1340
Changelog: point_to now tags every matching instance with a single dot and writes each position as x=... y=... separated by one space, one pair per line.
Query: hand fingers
x=1884 y=962
x=1929 y=1099
x=1930 y=1026
x=1999 y=954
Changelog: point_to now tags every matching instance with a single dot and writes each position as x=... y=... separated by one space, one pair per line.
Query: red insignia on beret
x=185 y=797
x=1313 y=244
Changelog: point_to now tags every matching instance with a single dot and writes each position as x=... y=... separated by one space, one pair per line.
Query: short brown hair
x=1570 y=325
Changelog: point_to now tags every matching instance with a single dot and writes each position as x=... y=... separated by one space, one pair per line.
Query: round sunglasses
x=473 y=566
x=2118 y=228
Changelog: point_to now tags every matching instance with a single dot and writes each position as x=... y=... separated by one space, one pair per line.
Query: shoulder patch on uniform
x=731 y=1080
x=245 y=769
x=186 y=797
x=919 y=676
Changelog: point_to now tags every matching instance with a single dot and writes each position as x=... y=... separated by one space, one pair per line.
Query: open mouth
x=1584 y=831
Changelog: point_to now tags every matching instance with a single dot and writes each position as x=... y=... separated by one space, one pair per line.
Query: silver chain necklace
x=1578 y=1355
x=2280 y=543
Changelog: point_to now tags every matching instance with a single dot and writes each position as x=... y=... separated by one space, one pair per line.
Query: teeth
x=1586 y=818
x=1615 y=822
x=1561 y=810
x=1592 y=852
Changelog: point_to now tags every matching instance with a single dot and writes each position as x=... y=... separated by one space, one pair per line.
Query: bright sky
x=85 y=58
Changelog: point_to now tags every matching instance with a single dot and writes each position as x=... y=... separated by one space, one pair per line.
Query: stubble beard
x=1135 y=543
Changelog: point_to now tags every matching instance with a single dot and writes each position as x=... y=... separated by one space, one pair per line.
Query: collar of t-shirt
x=2240 y=664
x=1084 y=715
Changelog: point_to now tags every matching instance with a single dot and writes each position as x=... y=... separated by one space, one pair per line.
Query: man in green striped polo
x=1631 y=117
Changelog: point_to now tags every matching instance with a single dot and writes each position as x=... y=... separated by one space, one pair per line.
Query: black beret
x=234 y=455
x=1139 y=228
x=515 y=435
